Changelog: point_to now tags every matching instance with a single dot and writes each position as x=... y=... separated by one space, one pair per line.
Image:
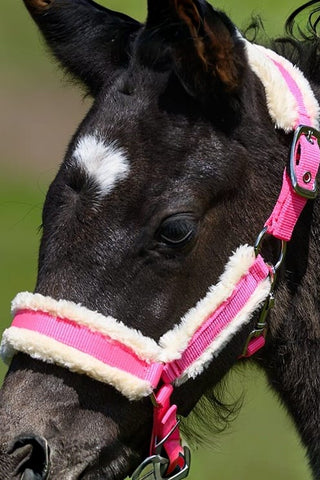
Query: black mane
x=301 y=45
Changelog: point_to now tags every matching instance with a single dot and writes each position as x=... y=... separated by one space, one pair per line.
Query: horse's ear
x=208 y=52
x=213 y=44
x=90 y=41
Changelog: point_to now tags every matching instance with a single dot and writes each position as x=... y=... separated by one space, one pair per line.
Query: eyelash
x=177 y=231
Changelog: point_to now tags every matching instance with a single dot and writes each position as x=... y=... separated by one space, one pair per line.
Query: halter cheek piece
x=86 y=342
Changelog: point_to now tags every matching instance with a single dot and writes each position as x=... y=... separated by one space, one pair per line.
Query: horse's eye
x=177 y=231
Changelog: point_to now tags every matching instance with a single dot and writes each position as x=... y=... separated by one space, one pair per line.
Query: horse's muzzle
x=35 y=462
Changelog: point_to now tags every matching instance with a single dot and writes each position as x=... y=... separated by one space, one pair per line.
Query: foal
x=178 y=162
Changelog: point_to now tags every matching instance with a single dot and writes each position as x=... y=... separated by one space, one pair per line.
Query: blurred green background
x=39 y=113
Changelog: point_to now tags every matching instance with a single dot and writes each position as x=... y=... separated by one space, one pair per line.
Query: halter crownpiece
x=70 y=335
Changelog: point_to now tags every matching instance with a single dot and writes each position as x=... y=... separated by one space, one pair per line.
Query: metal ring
x=260 y=237
x=281 y=256
x=257 y=248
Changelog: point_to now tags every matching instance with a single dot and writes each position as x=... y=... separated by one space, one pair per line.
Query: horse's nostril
x=35 y=463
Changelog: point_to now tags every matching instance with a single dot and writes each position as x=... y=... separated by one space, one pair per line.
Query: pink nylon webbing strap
x=254 y=346
x=165 y=426
x=95 y=344
x=218 y=321
x=304 y=166
x=303 y=116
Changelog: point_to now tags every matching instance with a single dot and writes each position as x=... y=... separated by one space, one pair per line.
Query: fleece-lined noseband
x=84 y=341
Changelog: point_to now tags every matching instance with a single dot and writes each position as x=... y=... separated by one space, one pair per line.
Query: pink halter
x=156 y=373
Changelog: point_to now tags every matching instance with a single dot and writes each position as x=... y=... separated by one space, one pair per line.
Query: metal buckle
x=310 y=133
x=158 y=466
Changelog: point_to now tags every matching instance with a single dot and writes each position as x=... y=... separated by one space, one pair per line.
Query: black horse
x=176 y=164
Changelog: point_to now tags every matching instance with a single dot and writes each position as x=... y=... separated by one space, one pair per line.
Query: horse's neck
x=292 y=356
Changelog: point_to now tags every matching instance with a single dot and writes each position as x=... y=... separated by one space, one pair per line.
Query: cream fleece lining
x=146 y=348
x=242 y=318
x=281 y=103
x=171 y=344
x=50 y=350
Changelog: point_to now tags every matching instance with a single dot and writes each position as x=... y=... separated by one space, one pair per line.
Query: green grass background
x=261 y=443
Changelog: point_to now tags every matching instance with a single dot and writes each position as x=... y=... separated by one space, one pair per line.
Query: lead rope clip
x=155 y=467
x=168 y=460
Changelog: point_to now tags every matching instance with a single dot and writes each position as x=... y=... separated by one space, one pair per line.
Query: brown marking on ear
x=220 y=53
x=213 y=44
x=38 y=5
x=188 y=12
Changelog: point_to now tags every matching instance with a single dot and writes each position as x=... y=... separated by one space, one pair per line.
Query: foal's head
x=159 y=185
